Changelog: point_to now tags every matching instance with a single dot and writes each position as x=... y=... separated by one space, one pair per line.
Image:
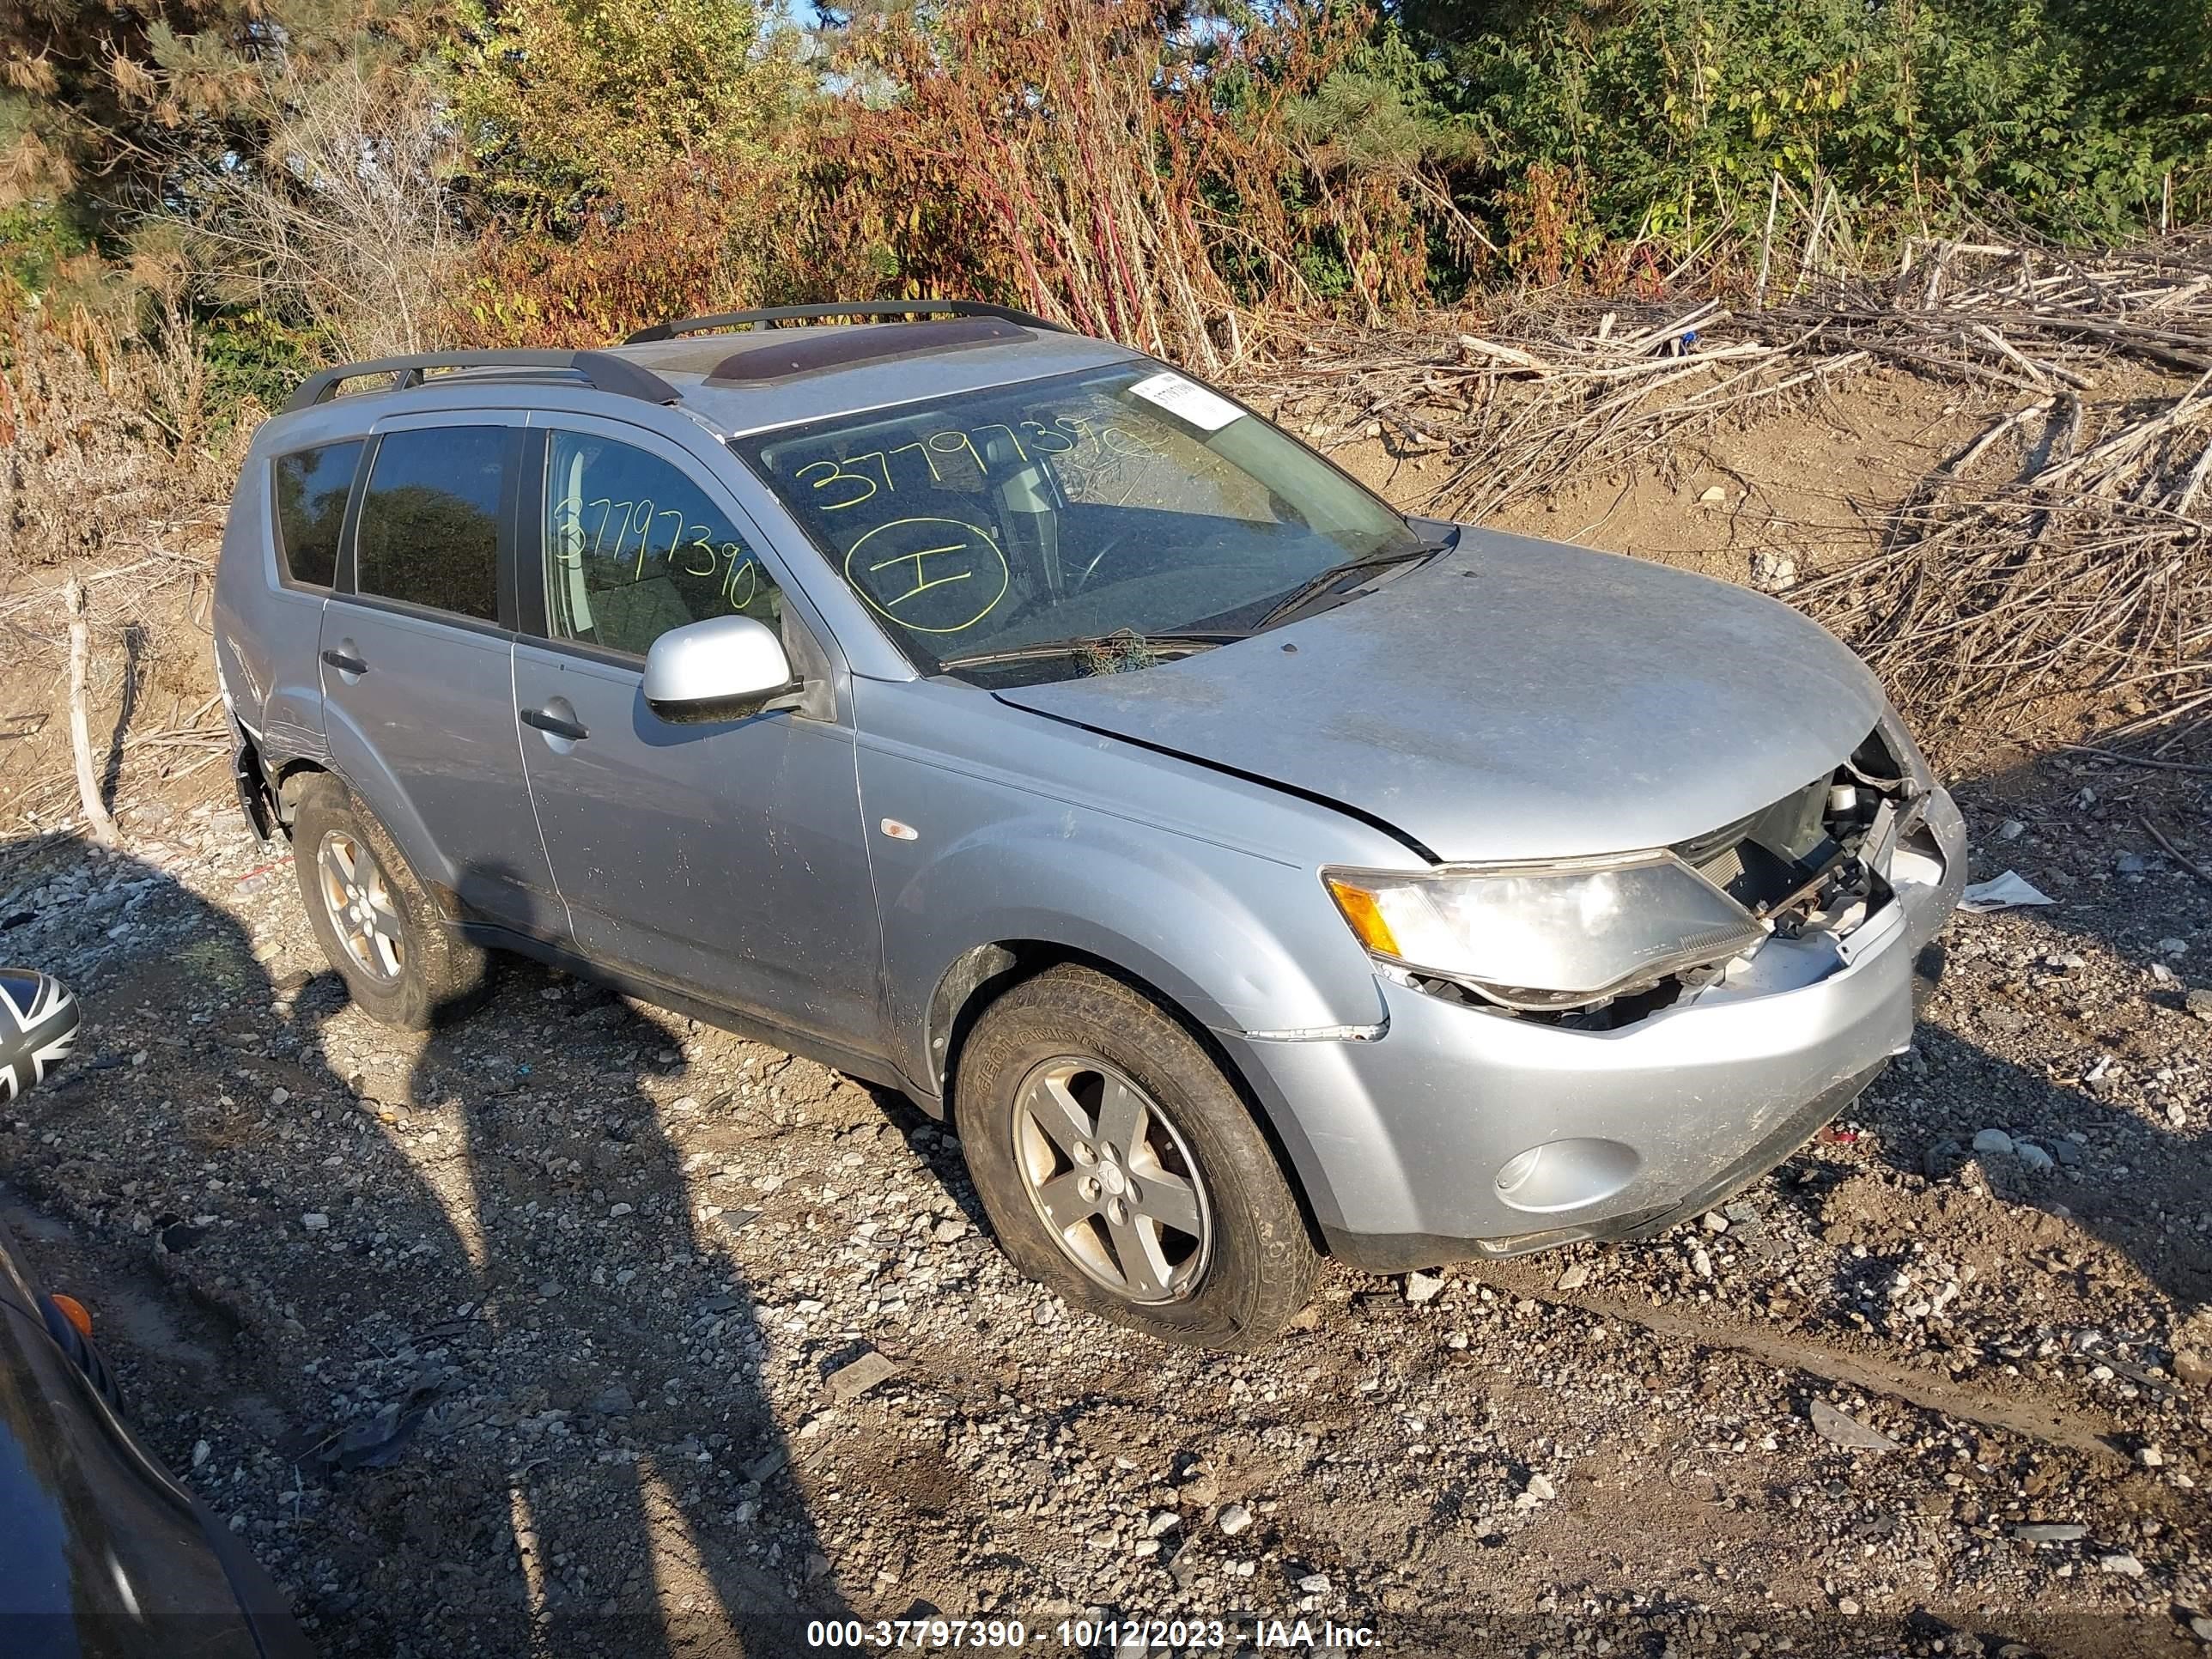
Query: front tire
x=1121 y=1169
x=375 y=921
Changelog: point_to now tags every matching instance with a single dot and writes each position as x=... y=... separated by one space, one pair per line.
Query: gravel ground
x=581 y=1330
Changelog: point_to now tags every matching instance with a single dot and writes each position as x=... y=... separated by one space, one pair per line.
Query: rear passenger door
x=725 y=859
x=417 y=645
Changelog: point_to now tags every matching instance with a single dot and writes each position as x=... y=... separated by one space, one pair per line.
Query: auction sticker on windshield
x=1187 y=400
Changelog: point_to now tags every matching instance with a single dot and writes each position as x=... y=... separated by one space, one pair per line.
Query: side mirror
x=726 y=668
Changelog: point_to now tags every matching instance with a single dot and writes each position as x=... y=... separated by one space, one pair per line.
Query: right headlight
x=1546 y=935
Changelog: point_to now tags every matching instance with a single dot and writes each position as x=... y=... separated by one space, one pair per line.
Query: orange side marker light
x=73 y=1310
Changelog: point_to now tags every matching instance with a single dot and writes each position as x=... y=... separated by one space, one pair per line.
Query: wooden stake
x=97 y=819
x=1766 y=242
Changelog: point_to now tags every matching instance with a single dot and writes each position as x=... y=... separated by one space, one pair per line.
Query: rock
x=1848 y=1432
x=622 y=1210
x=1941 y=1159
x=2122 y=1563
x=2193 y=1367
x=1165 y=1521
x=2033 y=1159
x=1315 y=1583
x=2131 y=864
x=1233 y=1519
x=2068 y=1152
x=2174 y=947
x=314 y=1222
x=615 y=1402
x=2050 y=1532
x=200 y=1452
x=1846 y=1606
x=1423 y=1287
x=2201 y=1627
x=1574 y=1276
x=850 y=1381
x=2151 y=1458
x=1714 y=1222
x=1712 y=496
x=1541 y=1488
x=2199 y=1003
x=2010 y=829
x=1994 y=1142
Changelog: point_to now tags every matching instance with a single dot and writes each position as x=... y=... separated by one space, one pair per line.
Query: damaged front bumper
x=1458 y=1133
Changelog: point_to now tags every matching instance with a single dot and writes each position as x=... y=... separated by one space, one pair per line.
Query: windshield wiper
x=1327 y=581
x=1077 y=644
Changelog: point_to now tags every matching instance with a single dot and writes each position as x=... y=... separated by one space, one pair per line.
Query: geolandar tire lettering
x=373 y=916
x=1121 y=1169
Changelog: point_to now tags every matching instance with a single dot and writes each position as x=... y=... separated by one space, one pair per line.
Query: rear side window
x=311 y=501
x=430 y=520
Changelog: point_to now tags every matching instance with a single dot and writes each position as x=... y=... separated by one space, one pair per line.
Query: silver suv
x=999 y=715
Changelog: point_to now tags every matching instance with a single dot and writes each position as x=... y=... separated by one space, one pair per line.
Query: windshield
x=1116 y=501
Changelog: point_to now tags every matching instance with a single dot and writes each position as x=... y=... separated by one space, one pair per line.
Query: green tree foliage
x=562 y=104
x=1667 y=119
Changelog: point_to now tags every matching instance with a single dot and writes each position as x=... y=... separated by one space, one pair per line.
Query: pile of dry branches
x=2068 y=547
x=1583 y=391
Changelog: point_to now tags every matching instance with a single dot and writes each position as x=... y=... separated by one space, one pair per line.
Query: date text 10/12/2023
x=1116 y=1636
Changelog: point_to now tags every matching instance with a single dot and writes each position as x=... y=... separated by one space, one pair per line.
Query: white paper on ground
x=2006 y=892
x=1187 y=400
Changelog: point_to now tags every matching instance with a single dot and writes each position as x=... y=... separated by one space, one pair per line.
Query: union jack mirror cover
x=38 y=1027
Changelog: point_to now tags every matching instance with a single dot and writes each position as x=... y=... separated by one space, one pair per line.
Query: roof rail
x=600 y=370
x=841 y=309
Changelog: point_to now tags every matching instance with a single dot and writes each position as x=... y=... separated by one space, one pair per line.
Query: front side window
x=1122 y=500
x=430 y=520
x=633 y=547
x=311 y=485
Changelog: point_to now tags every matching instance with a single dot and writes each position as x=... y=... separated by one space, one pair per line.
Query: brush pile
x=1581 y=389
x=2069 y=547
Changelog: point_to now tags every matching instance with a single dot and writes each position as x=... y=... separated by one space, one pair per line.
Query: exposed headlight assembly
x=1546 y=935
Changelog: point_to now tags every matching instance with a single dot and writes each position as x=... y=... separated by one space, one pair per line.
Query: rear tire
x=375 y=921
x=1121 y=1169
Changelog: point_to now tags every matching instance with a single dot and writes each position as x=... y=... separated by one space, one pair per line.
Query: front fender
x=1238 y=942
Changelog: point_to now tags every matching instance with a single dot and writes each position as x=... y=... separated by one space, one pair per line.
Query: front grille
x=1698 y=849
x=1761 y=857
x=1724 y=867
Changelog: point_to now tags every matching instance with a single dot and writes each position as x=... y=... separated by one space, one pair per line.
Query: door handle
x=553 y=725
x=345 y=663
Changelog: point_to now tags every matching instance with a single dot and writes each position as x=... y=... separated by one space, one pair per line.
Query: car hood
x=1513 y=699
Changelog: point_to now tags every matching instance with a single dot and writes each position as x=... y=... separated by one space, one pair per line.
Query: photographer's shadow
x=664 y=1514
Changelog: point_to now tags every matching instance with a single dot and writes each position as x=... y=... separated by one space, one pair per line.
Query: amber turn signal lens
x=73 y=1310
x=1365 y=917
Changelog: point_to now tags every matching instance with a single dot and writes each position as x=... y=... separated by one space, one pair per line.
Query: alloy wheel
x=359 y=902
x=1113 y=1179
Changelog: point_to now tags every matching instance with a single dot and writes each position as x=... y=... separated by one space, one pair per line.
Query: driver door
x=725 y=861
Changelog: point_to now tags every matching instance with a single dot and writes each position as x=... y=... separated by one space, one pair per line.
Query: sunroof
x=783 y=352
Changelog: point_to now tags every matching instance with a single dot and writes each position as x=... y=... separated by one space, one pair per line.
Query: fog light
x=1518 y=1168
x=1566 y=1174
